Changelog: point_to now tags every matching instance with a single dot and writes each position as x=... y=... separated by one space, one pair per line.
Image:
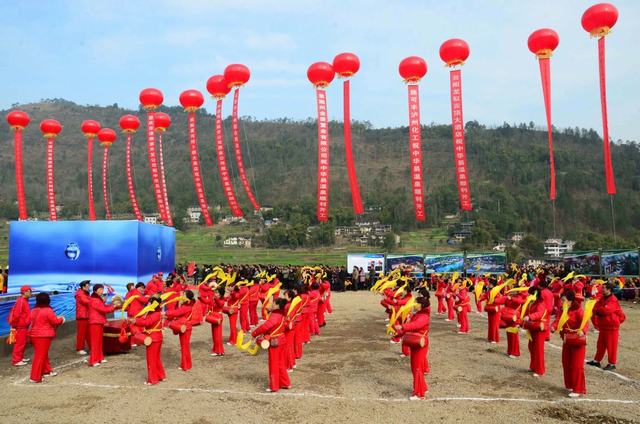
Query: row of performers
x=525 y=306
x=289 y=319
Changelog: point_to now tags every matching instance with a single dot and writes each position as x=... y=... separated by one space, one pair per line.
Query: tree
x=389 y=242
x=178 y=219
x=531 y=245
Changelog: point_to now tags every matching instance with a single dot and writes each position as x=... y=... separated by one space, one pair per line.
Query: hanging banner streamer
x=222 y=165
x=51 y=194
x=132 y=191
x=105 y=176
x=153 y=164
x=459 y=148
x=415 y=151
x=195 y=170
x=22 y=205
x=545 y=74
x=163 y=184
x=92 y=208
x=608 y=167
x=351 y=168
x=323 y=157
x=238 y=150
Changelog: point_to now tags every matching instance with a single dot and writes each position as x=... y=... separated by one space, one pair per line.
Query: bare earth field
x=350 y=373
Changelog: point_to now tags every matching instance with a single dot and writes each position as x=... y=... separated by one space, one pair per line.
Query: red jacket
x=609 y=313
x=152 y=323
x=575 y=319
x=537 y=311
x=44 y=322
x=182 y=313
x=20 y=316
x=419 y=322
x=98 y=310
x=136 y=304
x=314 y=298
x=463 y=300
x=547 y=297
x=254 y=293
x=82 y=304
x=273 y=327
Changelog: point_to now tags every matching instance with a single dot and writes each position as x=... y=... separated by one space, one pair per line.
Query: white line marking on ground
x=333 y=397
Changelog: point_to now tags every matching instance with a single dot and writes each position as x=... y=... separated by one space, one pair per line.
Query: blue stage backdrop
x=57 y=255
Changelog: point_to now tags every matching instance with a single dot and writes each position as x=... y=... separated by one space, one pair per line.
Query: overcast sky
x=105 y=52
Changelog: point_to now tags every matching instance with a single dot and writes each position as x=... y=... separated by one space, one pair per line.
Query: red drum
x=141 y=339
x=509 y=316
x=229 y=310
x=412 y=339
x=573 y=339
x=177 y=327
x=214 y=318
x=263 y=343
x=115 y=338
x=533 y=325
x=491 y=307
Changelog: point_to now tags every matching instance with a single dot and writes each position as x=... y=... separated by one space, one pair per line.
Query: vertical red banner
x=195 y=170
x=322 y=212
x=459 y=148
x=92 y=208
x=105 y=184
x=545 y=75
x=238 y=151
x=415 y=152
x=223 y=168
x=163 y=183
x=153 y=164
x=608 y=167
x=130 y=185
x=17 y=148
x=50 y=181
x=351 y=167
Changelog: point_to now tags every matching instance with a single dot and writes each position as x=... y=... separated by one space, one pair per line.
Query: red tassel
x=351 y=168
x=105 y=176
x=195 y=170
x=153 y=163
x=225 y=178
x=545 y=74
x=130 y=185
x=608 y=167
x=238 y=150
x=17 y=145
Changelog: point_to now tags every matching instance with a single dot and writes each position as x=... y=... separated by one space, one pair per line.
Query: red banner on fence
x=22 y=204
x=238 y=150
x=132 y=191
x=163 y=182
x=195 y=170
x=459 y=148
x=608 y=167
x=545 y=74
x=105 y=176
x=50 y=178
x=415 y=152
x=223 y=168
x=323 y=157
x=92 y=208
x=153 y=164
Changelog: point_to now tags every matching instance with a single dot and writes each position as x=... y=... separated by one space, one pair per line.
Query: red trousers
x=463 y=320
x=40 y=364
x=406 y=350
x=607 y=342
x=185 y=349
x=290 y=349
x=493 y=327
x=450 y=311
x=442 y=308
x=328 y=306
x=155 y=369
x=536 y=350
x=314 y=328
x=82 y=333
x=305 y=327
x=298 y=340
x=95 y=343
x=244 y=317
x=253 y=313
x=478 y=306
x=216 y=336
x=320 y=314
x=418 y=362
x=20 y=345
x=573 y=368
x=513 y=343
x=278 y=375
x=233 y=329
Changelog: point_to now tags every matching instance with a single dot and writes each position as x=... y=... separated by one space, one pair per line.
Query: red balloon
x=191 y=100
x=599 y=19
x=413 y=68
x=346 y=64
x=50 y=128
x=162 y=121
x=236 y=75
x=107 y=136
x=320 y=74
x=151 y=98
x=18 y=119
x=543 y=42
x=454 y=52
x=90 y=128
x=217 y=86
x=129 y=123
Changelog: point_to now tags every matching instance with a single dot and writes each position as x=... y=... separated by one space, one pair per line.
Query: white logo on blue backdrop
x=72 y=252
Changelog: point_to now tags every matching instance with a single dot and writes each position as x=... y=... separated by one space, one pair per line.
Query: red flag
x=415 y=151
x=191 y=268
x=195 y=170
x=130 y=186
x=22 y=205
x=545 y=74
x=153 y=164
x=459 y=148
x=51 y=194
x=608 y=167
x=323 y=157
x=223 y=168
x=105 y=176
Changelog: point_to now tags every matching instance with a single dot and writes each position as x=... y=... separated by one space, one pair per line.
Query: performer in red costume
x=98 y=311
x=83 y=299
x=254 y=297
x=417 y=330
x=233 y=303
x=323 y=302
x=182 y=315
x=314 y=298
x=513 y=305
x=299 y=332
x=291 y=325
x=492 y=308
x=19 y=320
x=535 y=320
x=398 y=300
x=450 y=295
x=574 y=345
x=151 y=323
x=43 y=329
x=463 y=307
x=273 y=331
x=609 y=317
x=136 y=305
x=548 y=298
x=441 y=295
x=244 y=308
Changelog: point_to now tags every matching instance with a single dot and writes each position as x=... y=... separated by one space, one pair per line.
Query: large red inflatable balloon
x=454 y=52
x=599 y=19
x=236 y=75
x=90 y=130
x=543 y=42
x=151 y=98
x=218 y=88
x=18 y=121
x=346 y=65
x=321 y=74
x=129 y=125
x=412 y=69
x=191 y=100
x=106 y=136
x=50 y=129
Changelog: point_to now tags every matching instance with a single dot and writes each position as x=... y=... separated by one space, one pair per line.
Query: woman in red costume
x=42 y=331
x=272 y=330
x=151 y=323
x=98 y=312
x=534 y=321
x=182 y=315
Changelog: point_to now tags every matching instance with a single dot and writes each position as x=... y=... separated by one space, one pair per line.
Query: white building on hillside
x=193 y=215
x=237 y=242
x=152 y=218
x=555 y=248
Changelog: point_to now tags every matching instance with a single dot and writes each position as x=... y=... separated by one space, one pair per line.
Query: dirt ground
x=350 y=373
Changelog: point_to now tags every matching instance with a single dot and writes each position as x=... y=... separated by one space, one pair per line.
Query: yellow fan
x=253 y=351
x=151 y=307
x=165 y=296
x=399 y=290
x=530 y=298
x=404 y=311
x=564 y=317
x=494 y=292
x=588 y=312
x=175 y=299
x=454 y=277
x=517 y=290
x=293 y=305
x=392 y=320
x=568 y=277
x=128 y=302
x=478 y=289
